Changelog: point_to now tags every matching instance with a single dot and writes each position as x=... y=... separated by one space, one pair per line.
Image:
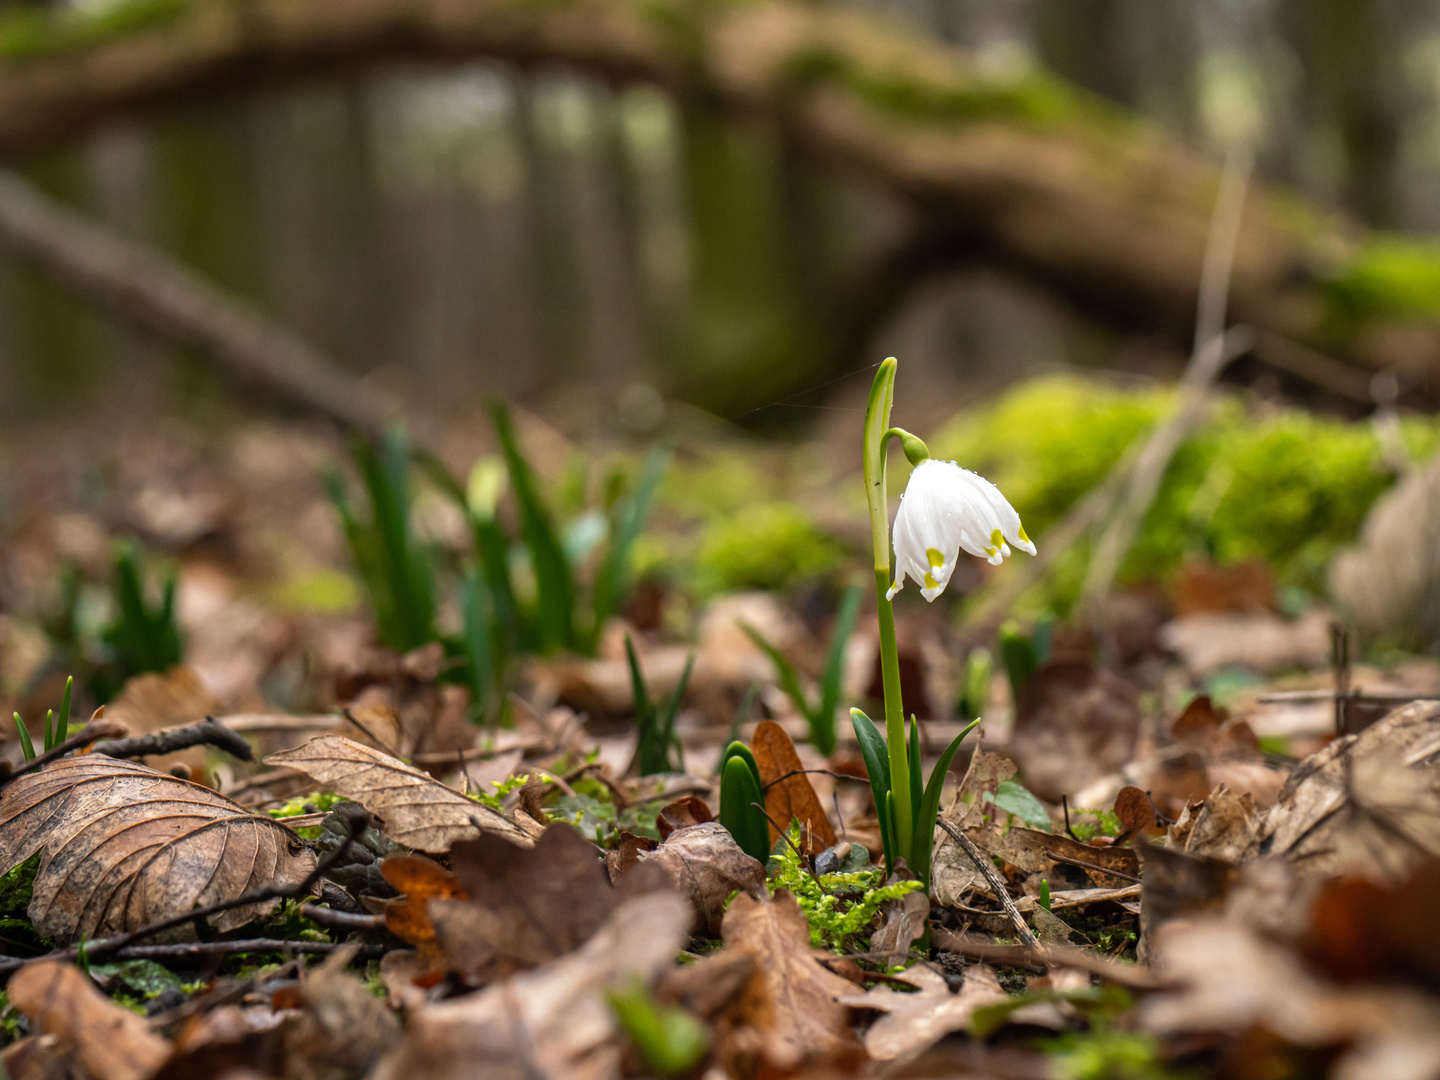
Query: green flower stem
x=877 y=425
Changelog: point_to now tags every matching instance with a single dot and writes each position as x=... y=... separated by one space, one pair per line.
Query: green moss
x=1391 y=277
x=1034 y=97
x=28 y=33
x=838 y=906
x=765 y=546
x=1284 y=486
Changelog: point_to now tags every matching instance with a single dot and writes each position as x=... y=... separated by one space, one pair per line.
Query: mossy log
x=1026 y=171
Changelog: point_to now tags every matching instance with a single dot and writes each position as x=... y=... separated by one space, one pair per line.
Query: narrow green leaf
x=877 y=764
x=26 y=745
x=627 y=521
x=671 y=709
x=822 y=724
x=916 y=781
x=62 y=731
x=49 y=730
x=930 y=808
x=552 y=572
x=784 y=670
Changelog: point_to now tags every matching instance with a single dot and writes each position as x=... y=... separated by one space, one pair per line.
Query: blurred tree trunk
x=1025 y=172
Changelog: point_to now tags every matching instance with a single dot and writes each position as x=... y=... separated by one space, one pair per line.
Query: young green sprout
x=57 y=726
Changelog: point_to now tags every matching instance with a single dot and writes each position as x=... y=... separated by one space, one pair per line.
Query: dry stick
x=200 y=949
x=207 y=732
x=142 y=285
x=343 y=920
x=95 y=729
x=357 y=819
x=992 y=876
x=1116 y=971
x=1207 y=360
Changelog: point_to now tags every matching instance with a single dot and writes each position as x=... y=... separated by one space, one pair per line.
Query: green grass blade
x=877 y=764
x=671 y=710
x=553 y=579
x=784 y=670
x=62 y=731
x=822 y=724
x=493 y=551
x=930 y=809
x=49 y=730
x=25 y=744
x=627 y=521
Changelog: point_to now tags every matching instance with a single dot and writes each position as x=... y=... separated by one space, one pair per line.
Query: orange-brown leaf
x=112 y=1043
x=793 y=798
x=421 y=880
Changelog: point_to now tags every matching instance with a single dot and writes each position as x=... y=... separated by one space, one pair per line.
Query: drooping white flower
x=947 y=509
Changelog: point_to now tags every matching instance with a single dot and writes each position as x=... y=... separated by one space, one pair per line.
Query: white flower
x=946 y=508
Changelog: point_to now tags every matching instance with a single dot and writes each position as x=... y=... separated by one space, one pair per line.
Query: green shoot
x=656 y=721
x=669 y=1039
x=975 y=691
x=741 y=801
x=1045 y=893
x=820 y=714
x=395 y=568
x=26 y=745
x=142 y=638
x=925 y=805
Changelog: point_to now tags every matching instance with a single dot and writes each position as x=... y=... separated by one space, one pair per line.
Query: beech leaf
x=415 y=809
x=122 y=846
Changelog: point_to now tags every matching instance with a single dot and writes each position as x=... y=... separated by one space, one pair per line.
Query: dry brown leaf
x=1134 y=811
x=1365 y=805
x=915 y=1022
x=789 y=1014
x=901 y=922
x=421 y=881
x=525 y=908
x=1074 y=723
x=342 y=1029
x=683 y=812
x=551 y=1023
x=1232 y=981
x=122 y=845
x=707 y=866
x=415 y=809
x=793 y=798
x=111 y=1043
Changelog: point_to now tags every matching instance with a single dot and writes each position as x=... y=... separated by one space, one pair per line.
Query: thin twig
x=350 y=716
x=1131 y=976
x=819 y=772
x=997 y=885
x=1093 y=866
x=95 y=729
x=207 y=732
x=344 y=920
x=198 y=949
x=357 y=819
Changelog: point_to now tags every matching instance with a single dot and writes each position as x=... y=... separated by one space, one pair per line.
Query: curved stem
x=877 y=437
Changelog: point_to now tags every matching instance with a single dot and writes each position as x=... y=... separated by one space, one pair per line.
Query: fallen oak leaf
x=123 y=846
x=789 y=795
x=915 y=1022
x=707 y=866
x=111 y=1042
x=414 y=808
x=789 y=1013
x=552 y=1022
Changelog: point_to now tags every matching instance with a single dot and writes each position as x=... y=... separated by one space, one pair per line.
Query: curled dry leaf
x=553 y=1022
x=416 y=809
x=409 y=919
x=1135 y=812
x=915 y=1022
x=683 y=812
x=707 y=866
x=789 y=1014
x=111 y=1043
x=122 y=846
x=792 y=798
